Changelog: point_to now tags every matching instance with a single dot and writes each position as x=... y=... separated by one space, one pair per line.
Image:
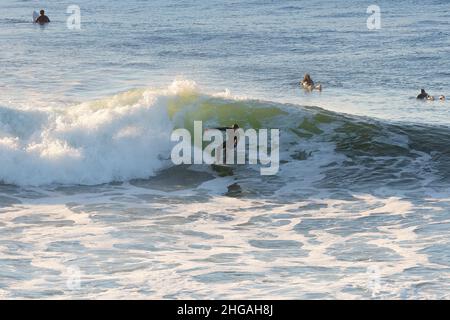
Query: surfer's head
x=42 y=12
x=235 y=126
x=422 y=91
x=307 y=78
x=442 y=98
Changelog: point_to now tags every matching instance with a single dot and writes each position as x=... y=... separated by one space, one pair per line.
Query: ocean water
x=92 y=207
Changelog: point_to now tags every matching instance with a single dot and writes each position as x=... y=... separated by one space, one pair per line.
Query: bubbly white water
x=334 y=223
x=117 y=139
x=127 y=242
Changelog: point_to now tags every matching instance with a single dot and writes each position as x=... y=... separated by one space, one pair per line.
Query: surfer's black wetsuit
x=423 y=95
x=43 y=19
x=225 y=143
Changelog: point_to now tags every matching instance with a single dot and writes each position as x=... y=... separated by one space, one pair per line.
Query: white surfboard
x=35 y=16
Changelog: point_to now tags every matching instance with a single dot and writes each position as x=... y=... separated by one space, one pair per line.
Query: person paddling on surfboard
x=42 y=19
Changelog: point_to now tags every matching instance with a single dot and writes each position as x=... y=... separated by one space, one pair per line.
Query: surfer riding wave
x=220 y=155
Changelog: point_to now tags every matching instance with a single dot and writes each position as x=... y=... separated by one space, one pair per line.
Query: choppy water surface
x=90 y=207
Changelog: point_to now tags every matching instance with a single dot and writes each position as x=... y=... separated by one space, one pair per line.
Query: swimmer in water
x=423 y=95
x=42 y=19
x=442 y=98
x=308 y=84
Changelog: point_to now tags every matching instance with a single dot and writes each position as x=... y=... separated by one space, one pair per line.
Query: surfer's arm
x=221 y=128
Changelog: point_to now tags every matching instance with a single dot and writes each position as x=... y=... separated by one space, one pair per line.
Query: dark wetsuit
x=42 y=19
x=308 y=83
x=224 y=145
x=423 y=95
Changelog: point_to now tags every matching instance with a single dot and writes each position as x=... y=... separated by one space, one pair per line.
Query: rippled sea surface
x=92 y=207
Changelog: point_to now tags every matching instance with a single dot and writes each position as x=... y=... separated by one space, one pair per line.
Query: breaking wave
x=127 y=136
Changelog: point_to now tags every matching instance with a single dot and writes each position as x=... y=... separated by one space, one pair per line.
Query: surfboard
x=35 y=16
x=222 y=170
x=317 y=87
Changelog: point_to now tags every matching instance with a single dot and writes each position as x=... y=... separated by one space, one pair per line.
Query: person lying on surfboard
x=42 y=19
x=308 y=84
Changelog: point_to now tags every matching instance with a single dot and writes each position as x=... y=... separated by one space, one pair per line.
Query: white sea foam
x=327 y=225
x=118 y=138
